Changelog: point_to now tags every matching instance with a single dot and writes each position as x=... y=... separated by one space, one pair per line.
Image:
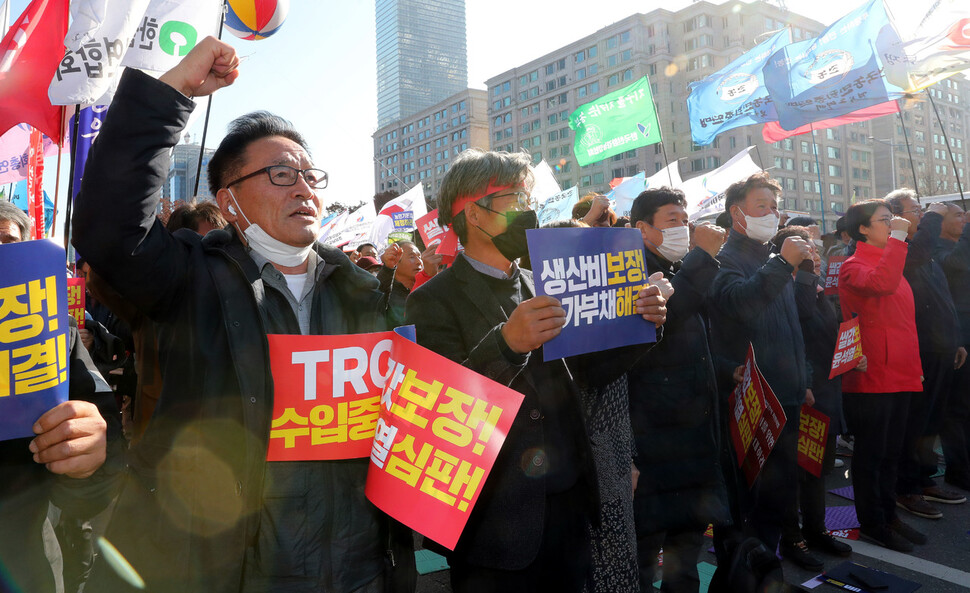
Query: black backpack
x=752 y=569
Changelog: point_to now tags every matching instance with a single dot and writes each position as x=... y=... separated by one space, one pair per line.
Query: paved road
x=941 y=566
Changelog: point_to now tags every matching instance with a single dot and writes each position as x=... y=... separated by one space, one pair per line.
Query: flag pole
x=663 y=149
x=909 y=151
x=205 y=126
x=818 y=171
x=946 y=140
x=70 y=186
x=761 y=161
x=57 y=177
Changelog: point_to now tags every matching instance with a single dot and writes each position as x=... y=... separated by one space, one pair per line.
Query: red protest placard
x=813 y=430
x=431 y=233
x=765 y=435
x=832 y=274
x=326 y=394
x=848 y=348
x=75 y=300
x=747 y=405
x=440 y=430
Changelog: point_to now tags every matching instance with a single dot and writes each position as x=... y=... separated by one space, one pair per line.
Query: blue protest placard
x=33 y=334
x=596 y=275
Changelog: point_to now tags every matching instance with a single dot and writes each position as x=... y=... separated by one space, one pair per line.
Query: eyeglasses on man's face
x=523 y=200
x=285 y=175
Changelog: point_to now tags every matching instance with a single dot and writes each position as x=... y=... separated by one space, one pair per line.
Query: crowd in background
x=613 y=455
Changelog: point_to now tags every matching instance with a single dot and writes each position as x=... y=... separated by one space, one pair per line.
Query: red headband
x=460 y=202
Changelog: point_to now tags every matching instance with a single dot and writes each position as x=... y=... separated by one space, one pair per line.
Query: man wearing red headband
x=529 y=529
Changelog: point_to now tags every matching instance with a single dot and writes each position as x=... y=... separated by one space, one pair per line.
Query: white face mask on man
x=675 y=243
x=272 y=249
x=760 y=228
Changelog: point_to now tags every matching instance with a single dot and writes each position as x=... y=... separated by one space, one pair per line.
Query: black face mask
x=512 y=243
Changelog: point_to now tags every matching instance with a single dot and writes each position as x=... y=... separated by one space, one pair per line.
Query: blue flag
x=836 y=73
x=735 y=95
x=89 y=125
x=19 y=199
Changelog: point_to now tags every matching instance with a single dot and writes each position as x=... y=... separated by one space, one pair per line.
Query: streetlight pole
x=892 y=156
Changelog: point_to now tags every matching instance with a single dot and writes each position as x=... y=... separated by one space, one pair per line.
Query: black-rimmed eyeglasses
x=285 y=175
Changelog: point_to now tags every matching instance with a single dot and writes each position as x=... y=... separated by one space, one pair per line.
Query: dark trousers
x=773 y=494
x=918 y=461
x=681 y=549
x=955 y=433
x=876 y=420
x=811 y=499
x=562 y=564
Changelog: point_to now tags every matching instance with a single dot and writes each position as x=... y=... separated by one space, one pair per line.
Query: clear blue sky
x=319 y=70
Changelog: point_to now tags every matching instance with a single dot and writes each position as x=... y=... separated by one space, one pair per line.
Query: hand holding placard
x=533 y=323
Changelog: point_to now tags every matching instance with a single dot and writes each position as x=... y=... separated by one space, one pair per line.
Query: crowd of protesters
x=613 y=456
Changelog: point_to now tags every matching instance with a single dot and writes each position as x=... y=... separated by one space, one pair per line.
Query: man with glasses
x=529 y=529
x=940 y=350
x=202 y=510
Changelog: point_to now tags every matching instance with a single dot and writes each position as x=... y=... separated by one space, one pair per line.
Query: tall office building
x=927 y=154
x=529 y=105
x=181 y=176
x=403 y=149
x=421 y=55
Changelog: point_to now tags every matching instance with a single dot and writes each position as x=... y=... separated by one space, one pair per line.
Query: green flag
x=615 y=123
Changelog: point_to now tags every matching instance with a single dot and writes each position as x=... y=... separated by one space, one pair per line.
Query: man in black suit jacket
x=529 y=529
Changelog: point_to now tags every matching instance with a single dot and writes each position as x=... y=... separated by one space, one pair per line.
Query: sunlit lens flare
x=670 y=70
x=119 y=564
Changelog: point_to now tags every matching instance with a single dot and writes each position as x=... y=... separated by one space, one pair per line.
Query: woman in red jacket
x=872 y=287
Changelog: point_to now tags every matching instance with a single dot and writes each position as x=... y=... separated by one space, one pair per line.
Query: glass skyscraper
x=421 y=55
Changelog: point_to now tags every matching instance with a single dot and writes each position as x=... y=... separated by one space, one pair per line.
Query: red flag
x=35 y=182
x=773 y=132
x=29 y=55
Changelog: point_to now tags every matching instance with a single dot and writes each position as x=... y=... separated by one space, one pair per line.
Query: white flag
x=558 y=207
x=705 y=193
x=106 y=35
x=669 y=176
x=933 y=42
x=626 y=192
x=168 y=30
x=398 y=215
x=356 y=229
x=329 y=224
x=95 y=45
x=545 y=185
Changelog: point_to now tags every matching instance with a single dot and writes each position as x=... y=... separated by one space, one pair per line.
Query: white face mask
x=272 y=249
x=761 y=228
x=675 y=243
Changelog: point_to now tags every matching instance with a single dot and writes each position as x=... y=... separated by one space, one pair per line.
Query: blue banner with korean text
x=838 y=72
x=596 y=274
x=33 y=334
x=735 y=95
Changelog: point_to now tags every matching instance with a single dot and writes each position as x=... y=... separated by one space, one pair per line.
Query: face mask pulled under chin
x=512 y=242
x=272 y=249
x=760 y=228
